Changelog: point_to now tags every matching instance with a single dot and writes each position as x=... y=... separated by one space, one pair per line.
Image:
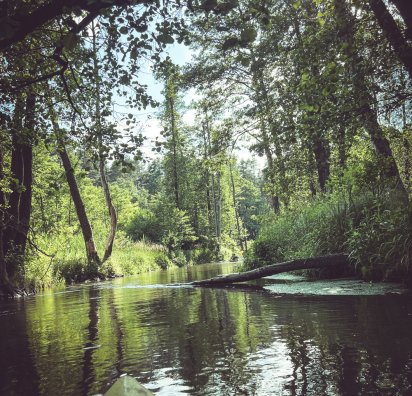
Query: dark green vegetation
x=373 y=228
x=320 y=87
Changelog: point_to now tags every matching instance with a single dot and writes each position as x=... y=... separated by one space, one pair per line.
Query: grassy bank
x=65 y=260
x=374 y=228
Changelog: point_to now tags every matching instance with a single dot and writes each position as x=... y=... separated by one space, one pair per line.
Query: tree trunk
x=19 y=210
x=5 y=286
x=11 y=209
x=342 y=150
x=262 y=100
x=207 y=178
x=407 y=163
x=346 y=28
x=91 y=251
x=399 y=44
x=235 y=208
x=112 y=211
x=174 y=147
x=380 y=143
x=215 y=205
x=274 y=198
x=219 y=207
x=321 y=152
x=102 y=170
x=405 y=9
x=293 y=265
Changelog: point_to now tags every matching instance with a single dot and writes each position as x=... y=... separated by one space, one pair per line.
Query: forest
x=286 y=136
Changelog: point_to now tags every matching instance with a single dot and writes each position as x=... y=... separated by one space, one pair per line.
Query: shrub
x=381 y=244
x=374 y=228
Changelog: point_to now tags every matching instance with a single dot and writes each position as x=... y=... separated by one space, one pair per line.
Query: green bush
x=316 y=229
x=162 y=223
x=69 y=264
x=381 y=244
x=374 y=228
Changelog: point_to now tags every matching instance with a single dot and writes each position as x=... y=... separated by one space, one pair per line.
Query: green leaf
x=248 y=35
x=124 y=30
x=133 y=53
x=70 y=40
x=304 y=78
x=165 y=38
x=308 y=108
x=141 y=28
x=243 y=61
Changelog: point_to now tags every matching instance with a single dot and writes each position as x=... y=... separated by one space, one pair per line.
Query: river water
x=207 y=341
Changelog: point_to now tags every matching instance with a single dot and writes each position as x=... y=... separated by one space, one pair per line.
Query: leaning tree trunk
x=102 y=170
x=405 y=9
x=390 y=28
x=112 y=211
x=293 y=265
x=91 y=251
x=93 y=258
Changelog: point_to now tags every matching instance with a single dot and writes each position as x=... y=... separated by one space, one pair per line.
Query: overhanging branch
x=24 y=25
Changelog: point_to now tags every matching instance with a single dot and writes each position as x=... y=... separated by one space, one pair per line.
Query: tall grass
x=374 y=228
x=68 y=262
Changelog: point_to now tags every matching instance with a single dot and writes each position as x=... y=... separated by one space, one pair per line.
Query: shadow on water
x=91 y=345
x=119 y=335
x=17 y=363
x=176 y=340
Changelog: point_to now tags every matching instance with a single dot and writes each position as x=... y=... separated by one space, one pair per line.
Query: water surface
x=205 y=341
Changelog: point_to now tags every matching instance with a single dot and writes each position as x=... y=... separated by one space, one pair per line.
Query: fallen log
x=273 y=269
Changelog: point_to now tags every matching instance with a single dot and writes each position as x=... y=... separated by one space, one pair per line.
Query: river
x=206 y=341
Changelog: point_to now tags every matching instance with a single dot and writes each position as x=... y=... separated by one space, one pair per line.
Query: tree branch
x=57 y=54
x=24 y=25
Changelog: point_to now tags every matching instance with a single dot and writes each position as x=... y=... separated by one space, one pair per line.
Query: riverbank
x=67 y=263
x=61 y=261
x=373 y=228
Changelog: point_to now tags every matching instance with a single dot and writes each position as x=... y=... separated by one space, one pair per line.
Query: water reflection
x=205 y=341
